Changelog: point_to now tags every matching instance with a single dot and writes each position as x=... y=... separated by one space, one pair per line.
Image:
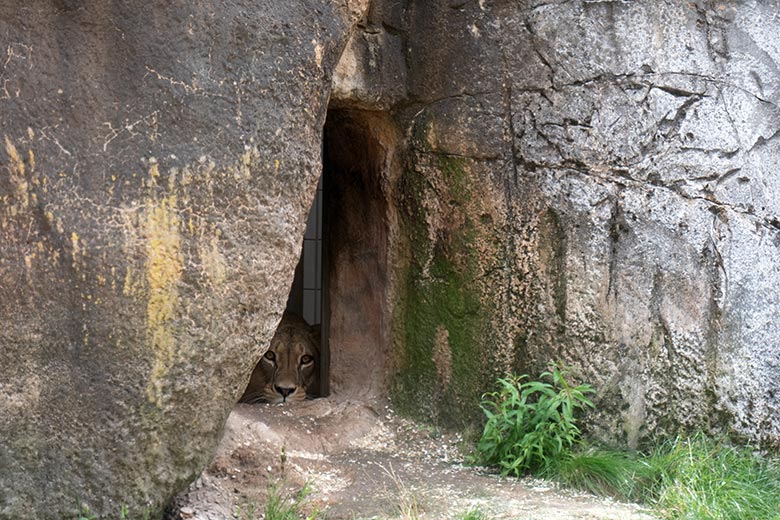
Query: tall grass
x=701 y=478
x=603 y=472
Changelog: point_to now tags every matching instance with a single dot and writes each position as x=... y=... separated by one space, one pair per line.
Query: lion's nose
x=284 y=391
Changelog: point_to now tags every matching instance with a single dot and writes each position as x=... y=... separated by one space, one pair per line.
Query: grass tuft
x=283 y=505
x=602 y=472
x=705 y=478
x=474 y=514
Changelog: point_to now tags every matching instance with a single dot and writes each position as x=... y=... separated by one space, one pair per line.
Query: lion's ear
x=315 y=333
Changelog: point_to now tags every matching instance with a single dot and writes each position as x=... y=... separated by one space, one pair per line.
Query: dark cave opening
x=358 y=152
x=341 y=282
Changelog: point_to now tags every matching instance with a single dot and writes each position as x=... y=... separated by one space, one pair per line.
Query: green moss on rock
x=441 y=320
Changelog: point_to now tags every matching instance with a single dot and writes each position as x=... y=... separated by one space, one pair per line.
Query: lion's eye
x=270 y=356
x=305 y=360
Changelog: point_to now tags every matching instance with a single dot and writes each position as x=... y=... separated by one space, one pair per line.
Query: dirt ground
x=364 y=462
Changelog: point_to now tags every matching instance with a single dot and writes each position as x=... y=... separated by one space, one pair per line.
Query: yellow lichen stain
x=172 y=179
x=13 y=154
x=77 y=249
x=276 y=166
x=74 y=242
x=112 y=186
x=50 y=217
x=154 y=170
x=164 y=265
x=244 y=167
x=17 y=171
x=133 y=285
x=186 y=176
x=213 y=261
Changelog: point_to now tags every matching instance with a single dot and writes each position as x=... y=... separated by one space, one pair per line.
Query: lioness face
x=288 y=370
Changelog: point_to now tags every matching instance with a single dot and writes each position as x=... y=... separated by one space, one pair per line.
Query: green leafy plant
x=531 y=427
x=531 y=424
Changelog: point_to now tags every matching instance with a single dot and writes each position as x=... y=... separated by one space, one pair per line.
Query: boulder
x=158 y=160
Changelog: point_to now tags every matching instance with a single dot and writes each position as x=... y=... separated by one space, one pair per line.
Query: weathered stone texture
x=157 y=163
x=590 y=182
x=634 y=148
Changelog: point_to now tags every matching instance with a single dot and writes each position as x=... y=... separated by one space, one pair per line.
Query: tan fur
x=289 y=370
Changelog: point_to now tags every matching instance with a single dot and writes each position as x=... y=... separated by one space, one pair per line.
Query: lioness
x=288 y=371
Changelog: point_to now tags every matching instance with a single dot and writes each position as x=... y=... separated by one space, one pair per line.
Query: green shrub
x=531 y=424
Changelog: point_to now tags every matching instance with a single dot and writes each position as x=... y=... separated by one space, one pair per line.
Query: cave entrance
x=341 y=279
x=352 y=245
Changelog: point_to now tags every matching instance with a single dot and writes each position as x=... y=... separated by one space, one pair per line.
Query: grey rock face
x=157 y=163
x=635 y=146
x=650 y=138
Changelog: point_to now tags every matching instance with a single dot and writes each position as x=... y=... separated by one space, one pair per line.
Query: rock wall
x=595 y=183
x=158 y=160
x=589 y=182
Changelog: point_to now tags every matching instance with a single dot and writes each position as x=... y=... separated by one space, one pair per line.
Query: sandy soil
x=362 y=461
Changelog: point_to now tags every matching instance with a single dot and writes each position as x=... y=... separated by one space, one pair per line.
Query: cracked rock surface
x=622 y=169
